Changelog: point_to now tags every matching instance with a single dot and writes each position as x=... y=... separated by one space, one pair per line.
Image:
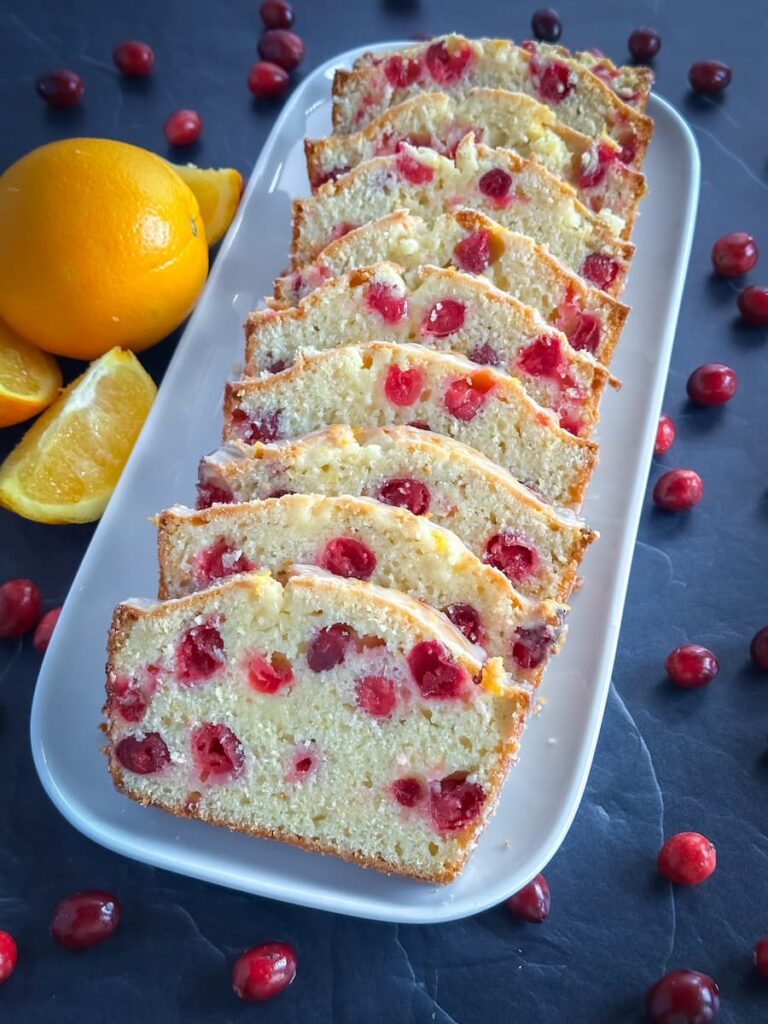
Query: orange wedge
x=217 y=193
x=66 y=466
x=29 y=379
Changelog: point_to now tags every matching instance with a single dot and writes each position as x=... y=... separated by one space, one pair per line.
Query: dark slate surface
x=666 y=761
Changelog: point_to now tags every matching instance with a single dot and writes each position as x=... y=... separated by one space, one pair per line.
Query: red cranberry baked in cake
x=539 y=548
x=326 y=713
x=632 y=83
x=380 y=383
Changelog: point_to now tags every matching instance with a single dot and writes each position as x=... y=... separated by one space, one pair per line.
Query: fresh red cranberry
x=692 y=666
x=585 y=336
x=85 y=919
x=268 y=81
x=554 y=83
x=465 y=397
x=758 y=649
x=734 y=255
x=405 y=492
x=683 y=997
x=347 y=557
x=712 y=384
x=219 y=561
x=383 y=299
x=61 y=88
x=413 y=170
x=400 y=73
x=404 y=387
x=444 y=67
x=542 y=358
x=531 y=645
x=376 y=695
x=600 y=269
x=19 y=608
x=600 y=159
x=183 y=127
x=709 y=76
x=753 y=306
x=200 y=654
x=329 y=647
x=277 y=14
x=485 y=355
x=761 y=958
x=264 y=972
x=145 y=756
x=665 y=434
x=546 y=25
x=678 y=490
x=533 y=902
x=217 y=751
x=438 y=675
x=495 y=184
x=134 y=59
x=269 y=675
x=455 y=803
x=9 y=954
x=44 y=631
x=687 y=858
x=263 y=426
x=282 y=48
x=444 y=318
x=213 y=494
x=644 y=44
x=467 y=620
x=508 y=553
x=473 y=253
x=408 y=792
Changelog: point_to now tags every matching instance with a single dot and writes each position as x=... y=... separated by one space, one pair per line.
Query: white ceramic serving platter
x=543 y=792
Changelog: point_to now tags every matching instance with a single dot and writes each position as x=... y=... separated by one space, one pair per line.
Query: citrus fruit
x=218 y=194
x=67 y=464
x=29 y=379
x=102 y=246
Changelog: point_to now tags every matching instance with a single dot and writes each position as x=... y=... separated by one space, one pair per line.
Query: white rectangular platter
x=543 y=792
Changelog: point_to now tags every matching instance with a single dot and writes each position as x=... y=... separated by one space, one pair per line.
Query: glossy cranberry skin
x=709 y=76
x=19 y=608
x=683 y=997
x=264 y=972
x=734 y=255
x=758 y=649
x=60 y=88
x=687 y=858
x=85 y=919
x=268 y=81
x=712 y=384
x=282 y=48
x=9 y=954
x=761 y=958
x=644 y=44
x=134 y=59
x=546 y=25
x=44 y=631
x=678 y=490
x=665 y=434
x=277 y=14
x=183 y=128
x=533 y=902
x=691 y=666
x=753 y=306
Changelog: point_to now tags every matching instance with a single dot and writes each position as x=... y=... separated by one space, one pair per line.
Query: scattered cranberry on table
x=134 y=58
x=546 y=25
x=687 y=858
x=268 y=81
x=761 y=957
x=19 y=608
x=85 y=919
x=644 y=44
x=709 y=76
x=683 y=997
x=678 y=490
x=753 y=306
x=61 y=88
x=277 y=14
x=712 y=384
x=281 y=47
x=9 y=954
x=44 y=631
x=533 y=902
x=691 y=666
x=758 y=649
x=264 y=972
x=665 y=434
x=183 y=128
x=734 y=255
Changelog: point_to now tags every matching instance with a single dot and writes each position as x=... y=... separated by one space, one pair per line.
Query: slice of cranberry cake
x=326 y=713
x=446 y=310
x=381 y=383
x=359 y=538
x=538 y=547
x=498 y=119
x=520 y=194
x=474 y=244
x=454 y=64
x=632 y=83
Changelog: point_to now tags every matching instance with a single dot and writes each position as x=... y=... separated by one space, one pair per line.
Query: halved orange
x=217 y=193
x=29 y=379
x=66 y=466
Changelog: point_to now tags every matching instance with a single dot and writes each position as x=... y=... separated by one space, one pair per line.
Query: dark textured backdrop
x=666 y=761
